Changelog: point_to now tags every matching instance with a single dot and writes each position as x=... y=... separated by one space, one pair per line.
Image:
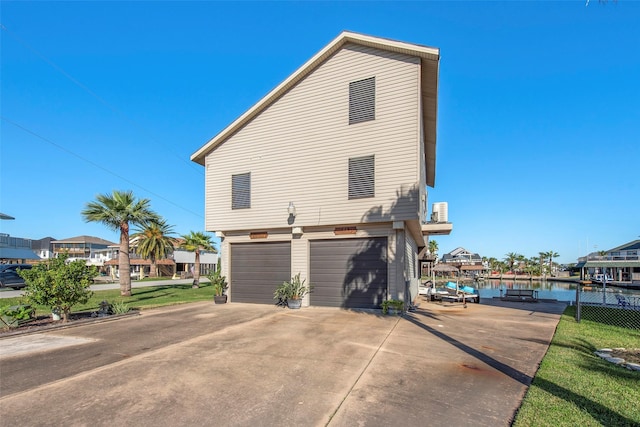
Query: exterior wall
x=300 y=245
x=300 y=260
x=411 y=267
x=297 y=150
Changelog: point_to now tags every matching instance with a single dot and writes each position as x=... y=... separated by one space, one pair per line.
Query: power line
x=93 y=94
x=92 y=163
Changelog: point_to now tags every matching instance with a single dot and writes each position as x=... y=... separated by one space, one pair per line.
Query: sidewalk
x=253 y=365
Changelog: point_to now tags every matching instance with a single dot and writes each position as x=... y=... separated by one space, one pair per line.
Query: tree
x=117 y=211
x=433 y=247
x=552 y=255
x=154 y=242
x=543 y=257
x=59 y=284
x=197 y=241
x=510 y=259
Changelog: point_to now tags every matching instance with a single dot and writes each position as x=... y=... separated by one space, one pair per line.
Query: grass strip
x=574 y=387
x=146 y=297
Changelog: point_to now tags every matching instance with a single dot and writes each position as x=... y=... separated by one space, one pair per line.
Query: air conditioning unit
x=440 y=212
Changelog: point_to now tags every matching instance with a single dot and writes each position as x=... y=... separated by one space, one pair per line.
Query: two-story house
x=621 y=263
x=465 y=261
x=327 y=176
x=94 y=250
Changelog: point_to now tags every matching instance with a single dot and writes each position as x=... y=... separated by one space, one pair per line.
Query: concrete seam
x=373 y=356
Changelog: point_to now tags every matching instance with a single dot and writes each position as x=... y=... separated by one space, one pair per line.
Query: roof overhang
x=429 y=58
x=437 y=228
x=617 y=264
x=17 y=253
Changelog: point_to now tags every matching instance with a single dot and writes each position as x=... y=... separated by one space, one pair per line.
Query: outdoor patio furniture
x=622 y=301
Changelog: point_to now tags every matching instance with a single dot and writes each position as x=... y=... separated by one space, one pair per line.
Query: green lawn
x=148 y=297
x=574 y=387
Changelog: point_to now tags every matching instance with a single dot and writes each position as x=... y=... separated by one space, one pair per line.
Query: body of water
x=561 y=291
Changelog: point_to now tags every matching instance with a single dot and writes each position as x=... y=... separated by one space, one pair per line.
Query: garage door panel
x=349 y=273
x=257 y=269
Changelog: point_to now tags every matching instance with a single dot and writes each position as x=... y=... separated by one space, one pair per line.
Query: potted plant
x=392 y=306
x=292 y=292
x=220 y=286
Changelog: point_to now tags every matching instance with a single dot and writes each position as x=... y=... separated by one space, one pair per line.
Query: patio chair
x=622 y=301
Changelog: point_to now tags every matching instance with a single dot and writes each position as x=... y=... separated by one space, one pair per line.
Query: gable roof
x=429 y=91
x=635 y=244
x=85 y=239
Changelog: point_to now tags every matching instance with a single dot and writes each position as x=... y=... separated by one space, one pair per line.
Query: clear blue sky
x=538 y=121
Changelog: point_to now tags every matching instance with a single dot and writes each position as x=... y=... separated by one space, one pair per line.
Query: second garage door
x=257 y=269
x=350 y=273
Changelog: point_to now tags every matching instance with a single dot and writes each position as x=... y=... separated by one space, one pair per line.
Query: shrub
x=59 y=284
x=119 y=307
x=392 y=304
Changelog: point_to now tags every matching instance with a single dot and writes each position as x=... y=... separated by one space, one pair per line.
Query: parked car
x=9 y=277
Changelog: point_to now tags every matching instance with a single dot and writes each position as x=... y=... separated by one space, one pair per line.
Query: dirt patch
x=42 y=323
x=630 y=355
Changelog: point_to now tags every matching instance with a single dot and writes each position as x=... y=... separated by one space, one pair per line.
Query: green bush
x=59 y=284
x=12 y=316
x=393 y=304
x=119 y=307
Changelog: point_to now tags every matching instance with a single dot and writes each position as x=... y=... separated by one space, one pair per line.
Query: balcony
x=437 y=228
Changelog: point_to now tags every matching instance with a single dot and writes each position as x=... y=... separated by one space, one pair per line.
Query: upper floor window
x=362 y=100
x=241 y=191
x=362 y=174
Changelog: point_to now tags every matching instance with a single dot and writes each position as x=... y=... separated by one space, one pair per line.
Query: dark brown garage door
x=350 y=273
x=257 y=269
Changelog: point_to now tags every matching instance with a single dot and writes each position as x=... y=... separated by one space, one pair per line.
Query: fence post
x=578 y=303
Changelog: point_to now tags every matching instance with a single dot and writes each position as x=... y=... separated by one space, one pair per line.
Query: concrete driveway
x=256 y=365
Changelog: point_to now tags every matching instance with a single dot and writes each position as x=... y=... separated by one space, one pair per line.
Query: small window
x=241 y=191
x=362 y=100
x=362 y=177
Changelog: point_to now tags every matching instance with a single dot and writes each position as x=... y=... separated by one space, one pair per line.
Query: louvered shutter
x=362 y=100
x=362 y=177
x=241 y=191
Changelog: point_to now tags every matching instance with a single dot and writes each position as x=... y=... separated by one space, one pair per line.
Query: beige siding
x=298 y=149
x=300 y=261
x=411 y=269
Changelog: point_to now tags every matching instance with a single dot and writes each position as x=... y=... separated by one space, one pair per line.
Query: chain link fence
x=608 y=305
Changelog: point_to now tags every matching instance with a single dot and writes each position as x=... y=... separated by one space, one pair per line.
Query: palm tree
x=154 y=242
x=433 y=247
x=542 y=259
x=117 y=211
x=552 y=255
x=521 y=259
x=510 y=259
x=197 y=241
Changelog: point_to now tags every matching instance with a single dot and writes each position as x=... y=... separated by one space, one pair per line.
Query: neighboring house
x=327 y=176
x=15 y=250
x=185 y=262
x=621 y=263
x=94 y=250
x=180 y=263
x=464 y=260
x=43 y=247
